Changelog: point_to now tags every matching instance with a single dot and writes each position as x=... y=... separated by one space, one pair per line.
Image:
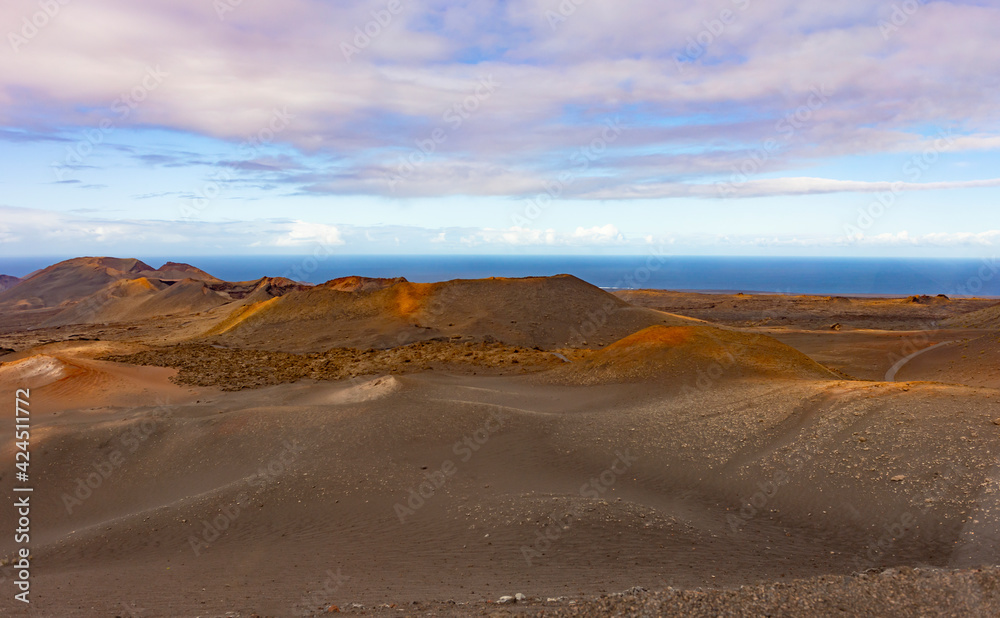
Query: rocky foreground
x=902 y=592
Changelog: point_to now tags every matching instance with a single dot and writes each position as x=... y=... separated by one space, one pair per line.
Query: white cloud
x=514 y=236
x=990 y=238
x=33 y=232
x=598 y=235
x=305 y=233
x=779 y=186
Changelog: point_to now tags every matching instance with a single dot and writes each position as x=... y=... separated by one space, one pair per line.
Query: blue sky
x=730 y=127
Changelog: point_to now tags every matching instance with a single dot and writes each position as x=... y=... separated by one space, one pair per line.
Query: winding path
x=890 y=376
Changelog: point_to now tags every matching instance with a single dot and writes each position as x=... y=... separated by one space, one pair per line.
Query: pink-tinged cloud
x=507 y=94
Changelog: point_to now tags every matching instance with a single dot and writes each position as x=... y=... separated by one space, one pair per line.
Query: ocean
x=784 y=275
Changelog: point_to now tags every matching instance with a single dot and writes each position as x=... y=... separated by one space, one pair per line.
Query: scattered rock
x=507 y=600
x=996 y=421
x=520 y=597
x=836 y=326
x=898 y=478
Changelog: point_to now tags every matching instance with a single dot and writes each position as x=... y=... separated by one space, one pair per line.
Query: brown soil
x=812 y=312
x=725 y=470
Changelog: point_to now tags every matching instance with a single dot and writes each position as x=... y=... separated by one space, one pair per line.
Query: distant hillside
x=178 y=271
x=984 y=318
x=129 y=300
x=7 y=282
x=136 y=299
x=536 y=311
x=76 y=279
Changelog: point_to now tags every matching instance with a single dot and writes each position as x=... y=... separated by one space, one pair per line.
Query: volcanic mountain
x=75 y=279
x=698 y=356
x=131 y=300
x=548 y=312
x=128 y=300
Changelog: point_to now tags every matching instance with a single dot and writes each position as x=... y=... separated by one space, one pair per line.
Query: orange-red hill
x=536 y=311
x=696 y=356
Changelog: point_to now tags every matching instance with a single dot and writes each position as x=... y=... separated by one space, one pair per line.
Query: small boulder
x=506 y=600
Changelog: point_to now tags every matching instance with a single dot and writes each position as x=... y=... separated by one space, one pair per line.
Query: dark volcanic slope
x=7 y=282
x=69 y=281
x=128 y=300
x=539 y=311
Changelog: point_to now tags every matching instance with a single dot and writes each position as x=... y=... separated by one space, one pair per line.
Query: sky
x=719 y=127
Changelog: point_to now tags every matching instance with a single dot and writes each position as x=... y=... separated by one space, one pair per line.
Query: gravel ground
x=896 y=592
